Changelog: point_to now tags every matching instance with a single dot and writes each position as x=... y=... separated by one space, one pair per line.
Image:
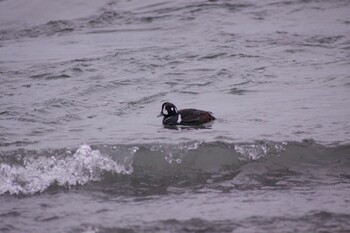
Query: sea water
x=81 y=84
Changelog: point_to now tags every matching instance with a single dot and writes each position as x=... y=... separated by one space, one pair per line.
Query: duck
x=190 y=116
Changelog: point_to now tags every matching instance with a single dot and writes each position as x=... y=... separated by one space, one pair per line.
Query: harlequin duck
x=190 y=116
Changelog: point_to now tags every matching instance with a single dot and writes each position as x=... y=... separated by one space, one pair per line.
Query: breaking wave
x=24 y=172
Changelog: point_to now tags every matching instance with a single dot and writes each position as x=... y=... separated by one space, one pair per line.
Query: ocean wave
x=326 y=221
x=28 y=172
x=184 y=164
x=48 y=29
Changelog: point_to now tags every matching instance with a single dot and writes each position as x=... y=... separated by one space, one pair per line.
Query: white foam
x=257 y=151
x=38 y=173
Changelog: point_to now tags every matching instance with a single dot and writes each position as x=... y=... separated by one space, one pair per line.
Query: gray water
x=81 y=148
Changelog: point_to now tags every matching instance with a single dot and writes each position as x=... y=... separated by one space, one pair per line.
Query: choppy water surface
x=81 y=83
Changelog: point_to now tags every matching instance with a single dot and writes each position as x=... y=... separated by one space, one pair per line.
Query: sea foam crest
x=36 y=174
x=175 y=153
x=259 y=150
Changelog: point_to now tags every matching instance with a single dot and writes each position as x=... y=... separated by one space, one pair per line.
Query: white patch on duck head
x=174 y=109
x=179 y=119
x=165 y=112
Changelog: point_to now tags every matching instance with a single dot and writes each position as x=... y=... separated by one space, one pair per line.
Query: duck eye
x=172 y=109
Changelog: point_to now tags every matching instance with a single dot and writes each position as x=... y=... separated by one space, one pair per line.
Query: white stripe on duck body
x=190 y=116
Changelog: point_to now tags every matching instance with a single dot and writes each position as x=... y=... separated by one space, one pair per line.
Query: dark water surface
x=81 y=83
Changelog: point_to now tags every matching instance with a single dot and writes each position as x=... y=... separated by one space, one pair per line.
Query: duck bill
x=160 y=115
